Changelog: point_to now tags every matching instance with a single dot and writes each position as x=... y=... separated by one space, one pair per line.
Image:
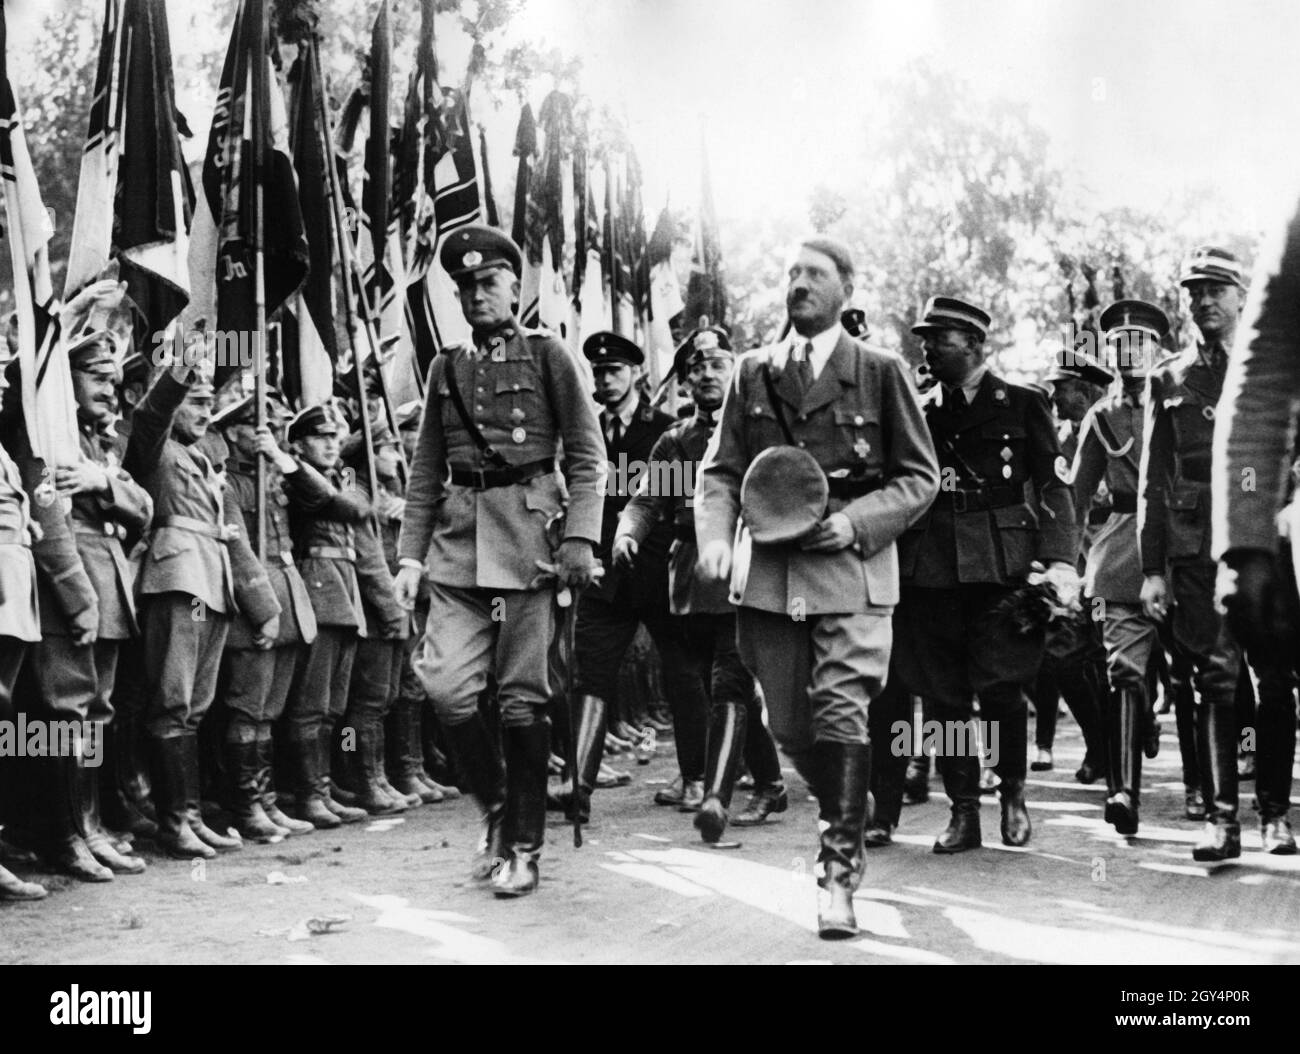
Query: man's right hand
x=270 y=449
x=407 y=586
x=1155 y=597
x=715 y=560
x=624 y=551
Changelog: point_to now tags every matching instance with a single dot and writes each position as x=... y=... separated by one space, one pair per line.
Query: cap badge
x=472 y=258
x=706 y=341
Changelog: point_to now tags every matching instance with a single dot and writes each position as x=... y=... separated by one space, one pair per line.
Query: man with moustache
x=1005 y=503
x=704 y=620
x=482 y=494
x=815 y=601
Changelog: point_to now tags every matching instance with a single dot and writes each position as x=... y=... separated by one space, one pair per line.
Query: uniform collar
x=625 y=414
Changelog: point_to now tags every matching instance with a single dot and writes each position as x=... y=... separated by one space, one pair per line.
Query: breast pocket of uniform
x=1002 y=456
x=859 y=432
x=1017 y=535
x=1186 y=523
x=761 y=426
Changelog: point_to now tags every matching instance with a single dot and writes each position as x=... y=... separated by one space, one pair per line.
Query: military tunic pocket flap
x=1184 y=499
x=860 y=418
x=760 y=410
x=1002 y=432
x=509 y=382
x=1015 y=517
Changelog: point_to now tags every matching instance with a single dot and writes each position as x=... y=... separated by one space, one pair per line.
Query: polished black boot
x=527 y=749
x=324 y=751
x=843 y=774
x=1125 y=718
x=1275 y=725
x=309 y=804
x=476 y=757
x=121 y=786
x=243 y=767
x=1221 y=839
x=916 y=783
x=592 y=718
x=194 y=814
x=97 y=839
x=1013 y=730
x=405 y=758
x=59 y=840
x=726 y=744
x=175 y=797
x=368 y=770
x=961 y=782
x=266 y=785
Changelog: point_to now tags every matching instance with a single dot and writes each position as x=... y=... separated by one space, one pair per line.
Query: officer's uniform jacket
x=860 y=420
x=297 y=619
x=665 y=498
x=192 y=549
x=383 y=618
x=1174 y=486
x=525 y=393
x=18 y=603
x=1255 y=427
x=107 y=526
x=1005 y=500
x=1109 y=453
x=627 y=458
x=324 y=526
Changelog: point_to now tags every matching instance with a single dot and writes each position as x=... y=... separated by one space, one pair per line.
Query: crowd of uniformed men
x=821 y=528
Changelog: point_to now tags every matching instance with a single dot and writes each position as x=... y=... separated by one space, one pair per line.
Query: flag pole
x=259 y=60
x=612 y=246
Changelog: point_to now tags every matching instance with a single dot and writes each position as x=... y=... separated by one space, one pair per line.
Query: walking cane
x=570 y=634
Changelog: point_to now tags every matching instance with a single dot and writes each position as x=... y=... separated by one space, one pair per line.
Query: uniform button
x=516 y=387
x=802 y=444
x=478 y=407
x=480 y=389
x=858 y=419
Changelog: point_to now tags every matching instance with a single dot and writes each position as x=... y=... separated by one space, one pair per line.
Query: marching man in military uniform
x=1254 y=443
x=482 y=493
x=1109 y=452
x=963 y=563
x=823 y=459
x=705 y=619
x=1174 y=525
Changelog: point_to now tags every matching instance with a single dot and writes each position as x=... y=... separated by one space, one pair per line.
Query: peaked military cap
x=783 y=495
x=947 y=312
x=1210 y=263
x=1134 y=314
x=606 y=348
x=478 y=247
x=1073 y=364
x=313 y=421
x=703 y=341
x=242 y=410
x=94 y=354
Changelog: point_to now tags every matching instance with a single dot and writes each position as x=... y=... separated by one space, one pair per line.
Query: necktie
x=803 y=371
x=958 y=399
x=1218 y=358
x=615 y=431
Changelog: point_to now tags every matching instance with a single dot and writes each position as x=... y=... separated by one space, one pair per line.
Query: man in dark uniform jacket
x=1174 y=527
x=634 y=593
x=816 y=596
x=482 y=494
x=1004 y=502
x=704 y=618
x=256 y=671
x=1254 y=439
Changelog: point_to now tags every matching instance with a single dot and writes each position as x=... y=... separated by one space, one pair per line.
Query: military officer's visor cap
x=95 y=355
x=612 y=349
x=783 y=495
x=1072 y=364
x=242 y=411
x=313 y=421
x=854 y=321
x=706 y=342
x=947 y=312
x=478 y=247
x=1210 y=263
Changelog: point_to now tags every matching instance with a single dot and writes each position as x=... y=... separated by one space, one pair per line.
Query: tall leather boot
x=119 y=784
x=476 y=757
x=1189 y=748
x=244 y=768
x=727 y=730
x=690 y=739
x=843 y=780
x=961 y=782
x=266 y=785
x=1221 y=839
x=592 y=720
x=309 y=804
x=61 y=844
x=371 y=794
x=194 y=813
x=527 y=750
x=1014 y=736
x=764 y=765
x=405 y=758
x=86 y=796
x=346 y=813
x=1124 y=728
x=1085 y=695
x=1275 y=726
x=175 y=797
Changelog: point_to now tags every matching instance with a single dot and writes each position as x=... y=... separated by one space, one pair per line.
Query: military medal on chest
x=1006 y=455
x=518 y=434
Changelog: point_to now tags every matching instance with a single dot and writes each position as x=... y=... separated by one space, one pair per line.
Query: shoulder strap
x=484 y=447
x=776 y=403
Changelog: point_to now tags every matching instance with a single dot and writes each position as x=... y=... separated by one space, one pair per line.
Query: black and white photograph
x=651 y=482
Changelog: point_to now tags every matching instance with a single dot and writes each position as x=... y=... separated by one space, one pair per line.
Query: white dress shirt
x=823 y=344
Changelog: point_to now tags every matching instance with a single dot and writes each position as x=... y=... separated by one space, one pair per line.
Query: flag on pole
x=706 y=292
x=544 y=299
x=49 y=406
x=666 y=302
x=225 y=228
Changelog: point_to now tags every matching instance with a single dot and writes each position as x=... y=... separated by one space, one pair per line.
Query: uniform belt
x=998 y=497
x=222 y=532
x=332 y=552
x=108 y=529
x=841 y=487
x=487 y=478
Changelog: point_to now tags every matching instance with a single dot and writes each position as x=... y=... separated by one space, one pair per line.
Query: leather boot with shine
x=194 y=816
x=324 y=743
x=843 y=772
x=309 y=804
x=726 y=744
x=266 y=785
x=527 y=748
x=961 y=782
x=98 y=841
x=1125 y=717
x=243 y=764
x=1221 y=838
x=477 y=758
x=175 y=797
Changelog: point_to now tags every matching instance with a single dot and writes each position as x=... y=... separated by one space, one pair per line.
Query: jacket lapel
x=837 y=374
